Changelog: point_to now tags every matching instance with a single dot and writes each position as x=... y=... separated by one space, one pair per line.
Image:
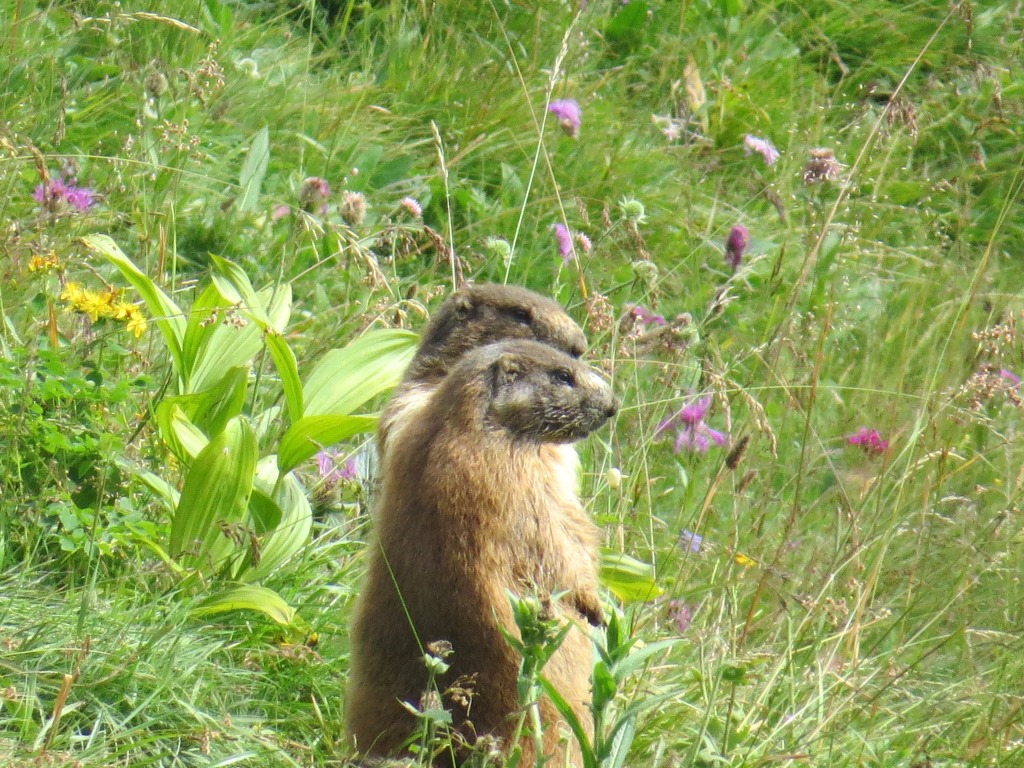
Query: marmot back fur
x=479 y=501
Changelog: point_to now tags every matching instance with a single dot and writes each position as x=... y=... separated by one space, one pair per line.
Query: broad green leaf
x=346 y=378
x=263 y=510
x=309 y=435
x=168 y=494
x=234 y=285
x=218 y=339
x=215 y=495
x=278 y=305
x=247 y=597
x=202 y=321
x=166 y=314
x=292 y=531
x=288 y=370
x=210 y=409
x=628 y=578
x=184 y=438
x=253 y=170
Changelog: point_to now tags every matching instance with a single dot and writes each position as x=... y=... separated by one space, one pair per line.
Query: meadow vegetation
x=791 y=230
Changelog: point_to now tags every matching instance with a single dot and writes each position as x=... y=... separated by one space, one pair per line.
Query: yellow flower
x=95 y=305
x=744 y=560
x=72 y=294
x=123 y=310
x=136 y=322
x=43 y=263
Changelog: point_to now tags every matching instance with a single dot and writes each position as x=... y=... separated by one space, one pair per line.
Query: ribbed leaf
x=628 y=578
x=253 y=170
x=166 y=314
x=212 y=346
x=234 y=285
x=346 y=378
x=210 y=409
x=183 y=437
x=309 y=435
x=292 y=531
x=214 y=499
x=288 y=370
x=247 y=597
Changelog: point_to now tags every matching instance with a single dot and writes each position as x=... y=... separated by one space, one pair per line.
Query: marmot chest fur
x=479 y=501
x=472 y=317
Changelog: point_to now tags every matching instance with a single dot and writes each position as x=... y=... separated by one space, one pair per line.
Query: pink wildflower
x=680 y=615
x=646 y=316
x=693 y=434
x=564 y=239
x=1009 y=376
x=412 y=206
x=279 y=212
x=314 y=193
x=60 y=191
x=763 y=147
x=330 y=472
x=738 y=241
x=569 y=115
x=868 y=439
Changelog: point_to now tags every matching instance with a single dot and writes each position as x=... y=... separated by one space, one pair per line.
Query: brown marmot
x=480 y=500
x=471 y=317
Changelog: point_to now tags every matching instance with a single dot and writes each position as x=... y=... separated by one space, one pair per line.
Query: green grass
x=848 y=609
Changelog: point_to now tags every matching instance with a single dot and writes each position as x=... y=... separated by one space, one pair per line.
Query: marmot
x=471 y=317
x=479 y=501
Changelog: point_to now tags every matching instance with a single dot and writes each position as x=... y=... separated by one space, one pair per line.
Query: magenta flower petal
x=564 y=239
x=739 y=239
x=868 y=439
x=763 y=147
x=569 y=115
x=1010 y=376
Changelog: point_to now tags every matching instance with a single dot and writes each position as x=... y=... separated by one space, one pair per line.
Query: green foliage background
x=848 y=608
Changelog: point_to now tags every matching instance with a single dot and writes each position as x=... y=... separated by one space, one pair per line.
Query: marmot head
x=481 y=314
x=534 y=392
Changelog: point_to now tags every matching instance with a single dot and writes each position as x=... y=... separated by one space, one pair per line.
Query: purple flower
x=564 y=239
x=314 y=193
x=680 y=615
x=329 y=471
x=646 y=316
x=694 y=434
x=738 y=241
x=763 y=147
x=51 y=195
x=1009 y=376
x=690 y=540
x=868 y=439
x=569 y=115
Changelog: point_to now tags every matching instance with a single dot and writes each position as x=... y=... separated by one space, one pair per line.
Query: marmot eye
x=563 y=376
x=521 y=315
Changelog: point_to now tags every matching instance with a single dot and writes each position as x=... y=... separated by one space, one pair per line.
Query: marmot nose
x=612 y=408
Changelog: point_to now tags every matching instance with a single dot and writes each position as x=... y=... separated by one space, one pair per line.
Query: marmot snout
x=539 y=395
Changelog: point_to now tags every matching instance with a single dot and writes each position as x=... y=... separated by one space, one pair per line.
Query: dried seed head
x=353 y=208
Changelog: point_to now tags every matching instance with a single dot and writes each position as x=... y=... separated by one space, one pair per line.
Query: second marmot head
x=480 y=314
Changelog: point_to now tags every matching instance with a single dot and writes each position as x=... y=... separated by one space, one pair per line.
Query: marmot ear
x=463 y=304
x=505 y=370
